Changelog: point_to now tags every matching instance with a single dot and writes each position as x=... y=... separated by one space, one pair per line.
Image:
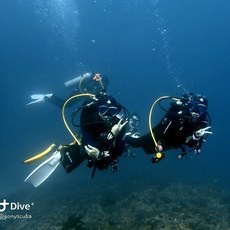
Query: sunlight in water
x=61 y=17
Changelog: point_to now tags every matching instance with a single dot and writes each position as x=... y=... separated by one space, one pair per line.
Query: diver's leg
x=145 y=142
x=55 y=100
x=71 y=157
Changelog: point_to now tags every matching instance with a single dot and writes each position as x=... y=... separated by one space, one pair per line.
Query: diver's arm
x=100 y=148
x=95 y=153
x=199 y=135
x=116 y=129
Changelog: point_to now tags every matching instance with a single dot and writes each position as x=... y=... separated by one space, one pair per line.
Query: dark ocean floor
x=137 y=204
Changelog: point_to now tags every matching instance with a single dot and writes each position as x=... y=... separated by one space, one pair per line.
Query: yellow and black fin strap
x=40 y=155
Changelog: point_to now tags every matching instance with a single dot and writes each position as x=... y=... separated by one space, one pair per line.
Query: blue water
x=147 y=48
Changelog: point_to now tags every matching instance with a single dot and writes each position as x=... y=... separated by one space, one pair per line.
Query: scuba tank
x=75 y=81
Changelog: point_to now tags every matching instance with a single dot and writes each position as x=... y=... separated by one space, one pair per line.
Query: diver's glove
x=133 y=135
x=201 y=132
x=116 y=129
x=93 y=152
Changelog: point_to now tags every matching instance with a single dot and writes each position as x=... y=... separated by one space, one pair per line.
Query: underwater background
x=148 y=49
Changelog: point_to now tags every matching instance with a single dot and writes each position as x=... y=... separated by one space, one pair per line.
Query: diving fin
x=44 y=170
x=40 y=155
x=39 y=98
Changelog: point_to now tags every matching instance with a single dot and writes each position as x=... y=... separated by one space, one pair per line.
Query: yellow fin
x=40 y=155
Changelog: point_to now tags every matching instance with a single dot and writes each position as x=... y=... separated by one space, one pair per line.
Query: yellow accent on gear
x=151 y=112
x=63 y=113
x=51 y=147
x=159 y=155
x=80 y=83
x=40 y=155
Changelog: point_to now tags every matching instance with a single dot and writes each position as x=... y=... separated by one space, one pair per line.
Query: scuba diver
x=102 y=128
x=133 y=131
x=85 y=83
x=102 y=134
x=185 y=125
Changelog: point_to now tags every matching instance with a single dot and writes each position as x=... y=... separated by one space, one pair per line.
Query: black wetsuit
x=174 y=131
x=96 y=132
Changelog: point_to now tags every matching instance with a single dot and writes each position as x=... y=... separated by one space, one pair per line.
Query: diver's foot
x=39 y=98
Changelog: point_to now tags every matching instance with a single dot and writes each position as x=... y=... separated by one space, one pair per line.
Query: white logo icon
x=3 y=205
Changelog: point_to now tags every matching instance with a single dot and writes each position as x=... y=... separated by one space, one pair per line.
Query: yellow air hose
x=80 y=83
x=158 y=147
x=63 y=113
x=51 y=147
